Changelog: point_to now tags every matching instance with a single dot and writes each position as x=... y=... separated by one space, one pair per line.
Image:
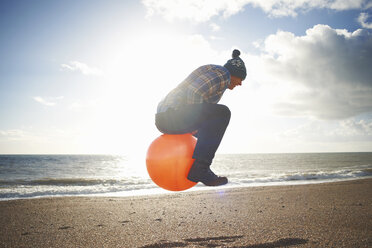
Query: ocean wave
x=57 y=175
x=51 y=187
x=53 y=191
x=243 y=178
x=308 y=176
x=67 y=182
x=329 y=175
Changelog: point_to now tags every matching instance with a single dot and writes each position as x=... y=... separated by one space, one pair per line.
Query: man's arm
x=196 y=92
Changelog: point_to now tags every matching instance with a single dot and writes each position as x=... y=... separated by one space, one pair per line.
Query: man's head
x=234 y=81
x=237 y=70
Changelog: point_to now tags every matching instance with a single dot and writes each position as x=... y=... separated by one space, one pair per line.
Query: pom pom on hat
x=235 y=54
x=236 y=65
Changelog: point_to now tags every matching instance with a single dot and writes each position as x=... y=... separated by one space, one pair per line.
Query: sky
x=85 y=77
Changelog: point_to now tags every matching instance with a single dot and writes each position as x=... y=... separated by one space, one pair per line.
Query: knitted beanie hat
x=236 y=65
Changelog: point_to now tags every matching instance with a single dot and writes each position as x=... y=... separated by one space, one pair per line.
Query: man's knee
x=224 y=111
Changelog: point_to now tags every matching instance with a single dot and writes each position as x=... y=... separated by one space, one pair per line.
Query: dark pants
x=210 y=120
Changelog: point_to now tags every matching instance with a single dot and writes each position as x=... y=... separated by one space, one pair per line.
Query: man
x=192 y=108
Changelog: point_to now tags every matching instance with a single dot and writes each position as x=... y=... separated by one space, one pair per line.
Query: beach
x=336 y=214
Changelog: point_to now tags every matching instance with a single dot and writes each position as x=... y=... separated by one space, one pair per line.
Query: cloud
x=81 y=67
x=362 y=19
x=193 y=10
x=279 y=8
x=50 y=101
x=28 y=140
x=361 y=128
x=204 y=10
x=325 y=73
x=214 y=27
x=212 y=37
x=13 y=135
x=82 y=106
x=349 y=130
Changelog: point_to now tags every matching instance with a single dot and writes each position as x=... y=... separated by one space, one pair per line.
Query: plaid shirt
x=204 y=85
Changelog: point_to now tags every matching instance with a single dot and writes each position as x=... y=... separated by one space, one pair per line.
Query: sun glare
x=139 y=70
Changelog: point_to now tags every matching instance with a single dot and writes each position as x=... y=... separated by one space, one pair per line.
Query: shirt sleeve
x=206 y=86
x=196 y=92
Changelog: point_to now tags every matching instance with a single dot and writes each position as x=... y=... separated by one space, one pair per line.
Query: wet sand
x=318 y=215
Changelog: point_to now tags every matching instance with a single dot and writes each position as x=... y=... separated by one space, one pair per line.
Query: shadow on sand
x=224 y=241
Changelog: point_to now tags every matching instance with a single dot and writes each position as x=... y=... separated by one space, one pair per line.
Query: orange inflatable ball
x=169 y=159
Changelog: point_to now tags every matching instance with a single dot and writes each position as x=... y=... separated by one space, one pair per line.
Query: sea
x=35 y=176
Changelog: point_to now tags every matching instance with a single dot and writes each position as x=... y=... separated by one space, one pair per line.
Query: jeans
x=210 y=121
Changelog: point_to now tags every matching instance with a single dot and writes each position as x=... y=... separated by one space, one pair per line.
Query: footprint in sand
x=124 y=222
x=64 y=227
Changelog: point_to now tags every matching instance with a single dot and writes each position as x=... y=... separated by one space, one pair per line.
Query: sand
x=317 y=215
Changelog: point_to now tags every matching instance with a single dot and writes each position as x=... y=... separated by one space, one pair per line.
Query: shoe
x=201 y=172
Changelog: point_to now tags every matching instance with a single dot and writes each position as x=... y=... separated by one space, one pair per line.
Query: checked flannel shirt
x=206 y=84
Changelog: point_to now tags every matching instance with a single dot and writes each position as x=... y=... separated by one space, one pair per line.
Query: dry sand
x=319 y=215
